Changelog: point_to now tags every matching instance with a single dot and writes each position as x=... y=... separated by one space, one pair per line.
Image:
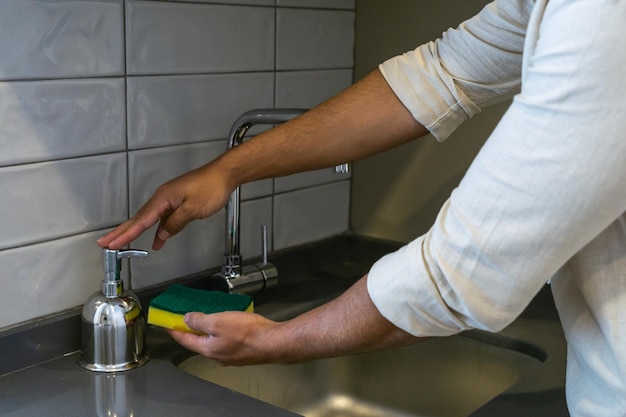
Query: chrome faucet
x=234 y=277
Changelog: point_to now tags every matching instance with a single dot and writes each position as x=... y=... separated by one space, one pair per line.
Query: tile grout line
x=272 y=201
x=126 y=106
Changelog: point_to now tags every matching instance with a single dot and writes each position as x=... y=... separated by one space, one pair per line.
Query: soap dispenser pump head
x=112 y=286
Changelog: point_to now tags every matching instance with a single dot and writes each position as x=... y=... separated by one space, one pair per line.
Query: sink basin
x=442 y=377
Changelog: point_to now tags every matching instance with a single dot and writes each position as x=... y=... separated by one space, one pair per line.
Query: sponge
x=168 y=308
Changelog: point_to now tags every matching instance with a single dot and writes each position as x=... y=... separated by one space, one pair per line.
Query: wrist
x=227 y=169
x=273 y=343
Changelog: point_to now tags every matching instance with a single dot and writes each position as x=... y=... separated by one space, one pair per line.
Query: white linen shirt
x=544 y=199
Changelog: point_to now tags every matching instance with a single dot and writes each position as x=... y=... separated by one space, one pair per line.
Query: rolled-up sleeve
x=447 y=81
x=549 y=179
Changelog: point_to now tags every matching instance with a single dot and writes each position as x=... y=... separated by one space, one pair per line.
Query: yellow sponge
x=168 y=308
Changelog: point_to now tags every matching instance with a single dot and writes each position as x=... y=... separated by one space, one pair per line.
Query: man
x=543 y=200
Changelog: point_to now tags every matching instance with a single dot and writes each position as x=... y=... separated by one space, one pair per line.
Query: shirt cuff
x=404 y=294
x=428 y=91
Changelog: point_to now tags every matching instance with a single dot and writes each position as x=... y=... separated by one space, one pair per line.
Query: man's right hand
x=365 y=119
x=192 y=196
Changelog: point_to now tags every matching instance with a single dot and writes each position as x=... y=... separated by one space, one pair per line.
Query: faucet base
x=253 y=279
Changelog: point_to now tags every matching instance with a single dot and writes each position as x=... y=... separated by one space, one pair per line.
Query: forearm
x=349 y=324
x=365 y=119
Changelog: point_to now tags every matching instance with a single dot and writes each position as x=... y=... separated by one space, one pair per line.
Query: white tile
x=312 y=214
x=254 y=214
x=172 y=46
x=150 y=168
x=216 y=38
x=55 y=199
x=44 y=120
x=166 y=110
x=201 y=244
x=198 y=247
x=312 y=39
x=323 y=4
x=49 y=277
x=309 y=88
x=256 y=189
x=307 y=179
x=54 y=39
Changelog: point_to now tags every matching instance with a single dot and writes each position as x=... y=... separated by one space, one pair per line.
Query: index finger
x=131 y=229
x=125 y=233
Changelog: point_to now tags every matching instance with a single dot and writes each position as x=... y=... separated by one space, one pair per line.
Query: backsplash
x=102 y=101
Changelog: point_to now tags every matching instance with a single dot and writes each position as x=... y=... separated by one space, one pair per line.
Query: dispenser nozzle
x=112 y=262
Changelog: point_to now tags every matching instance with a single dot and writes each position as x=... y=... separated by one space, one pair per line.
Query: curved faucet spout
x=259 y=117
x=234 y=277
x=232 y=264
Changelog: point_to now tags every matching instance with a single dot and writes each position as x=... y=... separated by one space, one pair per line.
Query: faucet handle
x=264 y=244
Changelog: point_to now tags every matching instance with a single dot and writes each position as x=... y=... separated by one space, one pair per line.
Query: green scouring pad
x=168 y=308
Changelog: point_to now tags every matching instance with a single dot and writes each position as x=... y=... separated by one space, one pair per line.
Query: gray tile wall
x=103 y=100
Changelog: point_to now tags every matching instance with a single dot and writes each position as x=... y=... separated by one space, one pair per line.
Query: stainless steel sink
x=447 y=377
x=440 y=377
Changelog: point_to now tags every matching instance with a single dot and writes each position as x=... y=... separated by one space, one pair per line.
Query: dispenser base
x=98 y=367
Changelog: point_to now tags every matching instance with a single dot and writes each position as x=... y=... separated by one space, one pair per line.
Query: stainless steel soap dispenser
x=113 y=322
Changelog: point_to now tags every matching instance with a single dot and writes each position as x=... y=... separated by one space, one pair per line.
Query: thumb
x=198 y=322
